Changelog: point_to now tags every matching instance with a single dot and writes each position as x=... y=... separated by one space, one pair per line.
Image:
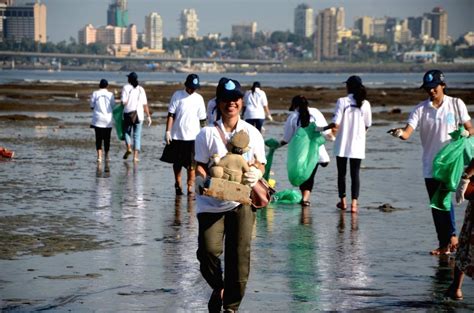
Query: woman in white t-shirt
x=352 y=117
x=102 y=103
x=256 y=106
x=302 y=117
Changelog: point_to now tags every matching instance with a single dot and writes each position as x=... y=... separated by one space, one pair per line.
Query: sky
x=66 y=17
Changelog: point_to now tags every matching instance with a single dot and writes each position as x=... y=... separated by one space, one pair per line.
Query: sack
x=303 y=154
x=287 y=196
x=117 y=114
x=131 y=118
x=261 y=194
x=469 y=193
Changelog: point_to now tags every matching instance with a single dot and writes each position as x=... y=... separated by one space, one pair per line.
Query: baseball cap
x=228 y=90
x=132 y=76
x=103 y=83
x=192 y=81
x=354 y=80
x=433 y=78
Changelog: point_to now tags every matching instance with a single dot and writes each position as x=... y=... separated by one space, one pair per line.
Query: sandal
x=339 y=206
x=179 y=191
x=305 y=203
x=441 y=251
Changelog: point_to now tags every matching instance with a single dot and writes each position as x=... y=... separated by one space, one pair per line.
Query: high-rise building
x=25 y=22
x=244 y=31
x=340 y=18
x=365 y=26
x=378 y=27
x=189 y=23
x=325 y=44
x=154 y=31
x=439 y=25
x=419 y=26
x=304 y=20
x=122 y=40
x=117 y=13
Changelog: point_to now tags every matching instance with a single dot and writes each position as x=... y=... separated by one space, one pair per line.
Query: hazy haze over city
x=66 y=17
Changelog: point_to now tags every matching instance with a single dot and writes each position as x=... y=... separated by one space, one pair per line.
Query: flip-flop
x=339 y=206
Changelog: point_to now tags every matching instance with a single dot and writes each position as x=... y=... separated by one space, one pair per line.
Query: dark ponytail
x=133 y=82
x=255 y=85
x=359 y=92
x=300 y=103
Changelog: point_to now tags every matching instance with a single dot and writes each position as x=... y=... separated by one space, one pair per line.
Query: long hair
x=254 y=86
x=359 y=92
x=301 y=104
x=133 y=82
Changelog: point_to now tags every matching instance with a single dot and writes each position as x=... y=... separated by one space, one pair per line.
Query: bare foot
x=441 y=251
x=453 y=244
x=453 y=293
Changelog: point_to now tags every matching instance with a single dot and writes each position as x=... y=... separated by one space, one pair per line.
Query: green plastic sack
x=287 y=196
x=448 y=166
x=303 y=154
x=117 y=114
x=272 y=144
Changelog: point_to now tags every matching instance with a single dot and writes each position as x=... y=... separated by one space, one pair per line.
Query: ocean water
x=317 y=259
x=330 y=80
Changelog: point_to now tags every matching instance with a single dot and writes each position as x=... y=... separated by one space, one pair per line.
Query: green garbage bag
x=303 y=154
x=117 y=114
x=272 y=144
x=448 y=166
x=287 y=196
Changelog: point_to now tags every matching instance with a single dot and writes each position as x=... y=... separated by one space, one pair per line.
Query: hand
x=319 y=129
x=215 y=159
x=199 y=183
x=396 y=132
x=465 y=133
x=168 y=137
x=461 y=190
x=252 y=176
x=269 y=117
x=149 y=120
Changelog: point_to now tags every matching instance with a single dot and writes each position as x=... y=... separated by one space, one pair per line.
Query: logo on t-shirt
x=450 y=118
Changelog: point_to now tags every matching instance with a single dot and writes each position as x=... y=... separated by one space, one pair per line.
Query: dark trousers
x=232 y=230
x=102 y=135
x=257 y=122
x=341 y=176
x=445 y=222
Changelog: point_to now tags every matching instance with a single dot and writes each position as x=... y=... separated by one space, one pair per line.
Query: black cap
x=132 y=76
x=192 y=81
x=103 y=83
x=228 y=90
x=354 y=80
x=433 y=78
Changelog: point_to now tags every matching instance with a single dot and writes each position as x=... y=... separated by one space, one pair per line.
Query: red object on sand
x=6 y=153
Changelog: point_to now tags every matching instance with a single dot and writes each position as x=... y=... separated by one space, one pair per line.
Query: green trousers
x=232 y=230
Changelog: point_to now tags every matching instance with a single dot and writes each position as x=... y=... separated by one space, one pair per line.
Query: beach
x=81 y=237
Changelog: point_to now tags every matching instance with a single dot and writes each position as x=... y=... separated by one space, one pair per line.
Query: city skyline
x=212 y=20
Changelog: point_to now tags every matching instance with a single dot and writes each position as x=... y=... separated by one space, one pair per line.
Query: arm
x=469 y=128
x=402 y=133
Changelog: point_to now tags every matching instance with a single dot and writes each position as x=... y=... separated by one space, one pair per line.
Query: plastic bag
x=287 y=196
x=448 y=166
x=303 y=154
x=117 y=114
x=272 y=144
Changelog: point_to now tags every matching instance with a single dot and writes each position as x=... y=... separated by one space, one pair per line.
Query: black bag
x=130 y=118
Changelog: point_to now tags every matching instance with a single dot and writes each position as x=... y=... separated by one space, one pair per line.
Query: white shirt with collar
x=134 y=99
x=209 y=142
x=188 y=110
x=353 y=123
x=254 y=104
x=435 y=125
x=102 y=102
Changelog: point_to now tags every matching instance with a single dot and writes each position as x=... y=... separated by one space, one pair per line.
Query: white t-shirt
x=254 y=104
x=211 y=111
x=188 y=110
x=353 y=122
x=435 y=126
x=134 y=99
x=291 y=126
x=102 y=102
x=209 y=142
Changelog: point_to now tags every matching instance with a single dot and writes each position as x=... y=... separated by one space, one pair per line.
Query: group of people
x=194 y=136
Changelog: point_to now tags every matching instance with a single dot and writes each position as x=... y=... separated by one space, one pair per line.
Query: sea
x=113 y=237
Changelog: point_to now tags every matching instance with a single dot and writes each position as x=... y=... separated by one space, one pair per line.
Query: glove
x=199 y=183
x=215 y=159
x=461 y=190
x=149 y=120
x=396 y=132
x=252 y=176
x=465 y=133
x=168 y=137
x=270 y=118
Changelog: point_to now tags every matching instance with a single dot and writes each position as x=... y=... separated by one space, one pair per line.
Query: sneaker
x=99 y=160
x=127 y=153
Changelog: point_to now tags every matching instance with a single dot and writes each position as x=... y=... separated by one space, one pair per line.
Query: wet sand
x=75 y=236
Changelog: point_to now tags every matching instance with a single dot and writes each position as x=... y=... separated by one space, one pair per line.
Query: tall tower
x=439 y=25
x=28 y=21
x=340 y=18
x=189 y=23
x=117 y=13
x=154 y=31
x=304 y=20
x=326 y=35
